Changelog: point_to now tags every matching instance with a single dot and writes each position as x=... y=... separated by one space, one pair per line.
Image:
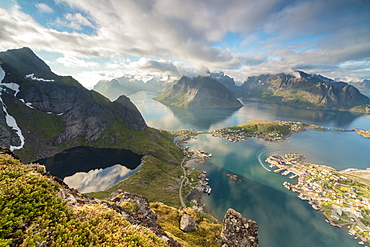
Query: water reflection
x=84 y=159
x=283 y=219
x=255 y=109
x=161 y=116
x=99 y=179
x=202 y=119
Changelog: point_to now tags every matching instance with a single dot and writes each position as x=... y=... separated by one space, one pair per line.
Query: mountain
x=363 y=86
x=199 y=92
x=125 y=86
x=306 y=90
x=225 y=80
x=43 y=114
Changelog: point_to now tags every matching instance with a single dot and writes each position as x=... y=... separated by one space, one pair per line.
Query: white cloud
x=74 y=21
x=74 y=62
x=175 y=37
x=42 y=7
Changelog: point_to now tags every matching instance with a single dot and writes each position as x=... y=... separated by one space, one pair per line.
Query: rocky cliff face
x=225 y=80
x=238 y=230
x=36 y=97
x=199 y=92
x=313 y=91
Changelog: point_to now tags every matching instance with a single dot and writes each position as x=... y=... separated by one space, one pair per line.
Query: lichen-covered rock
x=145 y=216
x=187 y=223
x=238 y=230
x=142 y=202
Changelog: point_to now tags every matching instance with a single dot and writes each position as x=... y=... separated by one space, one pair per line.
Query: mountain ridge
x=198 y=92
x=311 y=91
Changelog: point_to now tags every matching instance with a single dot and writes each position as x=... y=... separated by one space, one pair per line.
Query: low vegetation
x=156 y=181
x=207 y=233
x=31 y=214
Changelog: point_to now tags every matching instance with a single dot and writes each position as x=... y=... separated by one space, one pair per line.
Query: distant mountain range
x=363 y=86
x=127 y=85
x=199 y=92
x=307 y=90
x=43 y=113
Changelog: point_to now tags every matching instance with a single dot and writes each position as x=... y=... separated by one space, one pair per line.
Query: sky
x=96 y=40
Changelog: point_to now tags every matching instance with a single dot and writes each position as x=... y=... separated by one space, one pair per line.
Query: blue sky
x=102 y=39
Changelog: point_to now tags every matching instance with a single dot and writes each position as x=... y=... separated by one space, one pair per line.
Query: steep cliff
x=311 y=91
x=225 y=80
x=50 y=110
x=199 y=92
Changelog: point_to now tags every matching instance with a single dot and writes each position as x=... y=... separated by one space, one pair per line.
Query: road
x=182 y=182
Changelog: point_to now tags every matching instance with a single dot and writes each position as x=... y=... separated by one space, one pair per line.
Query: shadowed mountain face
x=199 y=92
x=55 y=109
x=312 y=91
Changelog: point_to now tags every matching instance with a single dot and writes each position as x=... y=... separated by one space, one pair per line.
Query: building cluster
x=344 y=202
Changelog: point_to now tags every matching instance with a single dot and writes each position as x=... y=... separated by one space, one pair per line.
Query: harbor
x=343 y=201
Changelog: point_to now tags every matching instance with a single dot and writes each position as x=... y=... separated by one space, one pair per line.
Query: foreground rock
x=187 y=223
x=238 y=230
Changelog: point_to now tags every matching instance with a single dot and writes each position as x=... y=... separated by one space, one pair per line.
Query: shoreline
x=340 y=199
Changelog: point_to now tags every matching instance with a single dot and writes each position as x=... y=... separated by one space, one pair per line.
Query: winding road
x=182 y=182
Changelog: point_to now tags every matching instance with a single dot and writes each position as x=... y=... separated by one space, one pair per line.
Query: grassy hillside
x=31 y=214
x=207 y=233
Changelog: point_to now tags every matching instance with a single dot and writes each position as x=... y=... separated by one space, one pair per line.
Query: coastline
x=342 y=200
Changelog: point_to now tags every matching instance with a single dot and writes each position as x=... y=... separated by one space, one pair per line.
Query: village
x=344 y=201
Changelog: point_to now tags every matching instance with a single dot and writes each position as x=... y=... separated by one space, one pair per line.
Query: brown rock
x=238 y=230
x=187 y=223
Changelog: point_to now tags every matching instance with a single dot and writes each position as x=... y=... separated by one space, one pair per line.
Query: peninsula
x=342 y=196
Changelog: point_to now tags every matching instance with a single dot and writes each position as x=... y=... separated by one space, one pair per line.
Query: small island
x=267 y=130
x=274 y=131
x=234 y=177
x=342 y=196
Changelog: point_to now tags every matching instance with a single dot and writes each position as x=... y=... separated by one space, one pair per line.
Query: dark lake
x=92 y=169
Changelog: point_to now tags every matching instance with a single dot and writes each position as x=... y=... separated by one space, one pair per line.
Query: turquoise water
x=171 y=118
x=283 y=219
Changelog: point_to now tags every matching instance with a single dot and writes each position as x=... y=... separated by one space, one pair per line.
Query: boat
x=315 y=206
x=303 y=197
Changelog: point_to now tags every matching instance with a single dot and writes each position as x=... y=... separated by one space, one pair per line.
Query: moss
x=31 y=214
x=206 y=234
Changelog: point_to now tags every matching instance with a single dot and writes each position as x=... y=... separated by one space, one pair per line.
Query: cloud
x=42 y=7
x=74 y=21
x=181 y=37
x=74 y=62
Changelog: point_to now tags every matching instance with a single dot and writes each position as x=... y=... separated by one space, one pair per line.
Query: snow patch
x=29 y=104
x=10 y=121
x=32 y=77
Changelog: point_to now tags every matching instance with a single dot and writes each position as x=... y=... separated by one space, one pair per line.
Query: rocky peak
x=308 y=90
x=199 y=92
x=238 y=230
x=226 y=80
x=22 y=62
x=42 y=95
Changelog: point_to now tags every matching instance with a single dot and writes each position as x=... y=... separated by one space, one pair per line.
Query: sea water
x=283 y=219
